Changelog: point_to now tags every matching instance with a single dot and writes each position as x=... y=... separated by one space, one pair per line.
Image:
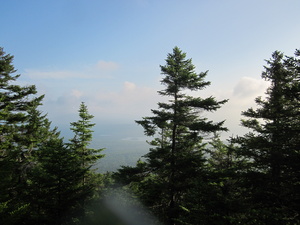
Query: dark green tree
x=15 y=155
x=39 y=138
x=16 y=101
x=87 y=156
x=219 y=200
x=82 y=138
x=178 y=128
x=273 y=146
x=37 y=131
x=56 y=189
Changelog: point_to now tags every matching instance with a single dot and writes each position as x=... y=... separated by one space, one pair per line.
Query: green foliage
x=15 y=102
x=176 y=157
x=183 y=179
x=83 y=137
x=79 y=145
x=217 y=200
x=273 y=146
x=56 y=184
x=43 y=181
x=15 y=149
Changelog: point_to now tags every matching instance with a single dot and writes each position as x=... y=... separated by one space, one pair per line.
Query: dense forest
x=189 y=175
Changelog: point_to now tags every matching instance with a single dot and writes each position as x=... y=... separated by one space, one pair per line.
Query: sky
x=107 y=53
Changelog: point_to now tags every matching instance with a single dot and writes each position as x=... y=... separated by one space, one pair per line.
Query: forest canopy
x=189 y=175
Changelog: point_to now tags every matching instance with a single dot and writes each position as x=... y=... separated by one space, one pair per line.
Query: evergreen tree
x=178 y=130
x=82 y=138
x=15 y=103
x=219 y=201
x=55 y=184
x=87 y=156
x=39 y=136
x=37 y=131
x=273 y=146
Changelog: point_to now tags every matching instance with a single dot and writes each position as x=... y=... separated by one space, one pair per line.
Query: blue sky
x=107 y=53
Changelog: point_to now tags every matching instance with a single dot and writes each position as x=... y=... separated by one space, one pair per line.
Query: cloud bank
x=125 y=101
x=249 y=87
x=241 y=97
x=101 y=69
x=127 y=104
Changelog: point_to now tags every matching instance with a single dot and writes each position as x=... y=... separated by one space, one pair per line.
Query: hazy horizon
x=107 y=53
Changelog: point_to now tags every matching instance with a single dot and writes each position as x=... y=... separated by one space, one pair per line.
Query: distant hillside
x=121 y=152
x=124 y=144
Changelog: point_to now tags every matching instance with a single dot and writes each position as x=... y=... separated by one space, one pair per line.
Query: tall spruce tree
x=82 y=138
x=87 y=156
x=273 y=146
x=15 y=155
x=39 y=137
x=178 y=128
x=15 y=103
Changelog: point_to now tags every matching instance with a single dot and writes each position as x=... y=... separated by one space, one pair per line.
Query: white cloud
x=40 y=74
x=128 y=86
x=241 y=97
x=249 y=87
x=76 y=93
x=107 y=66
x=102 y=69
x=129 y=103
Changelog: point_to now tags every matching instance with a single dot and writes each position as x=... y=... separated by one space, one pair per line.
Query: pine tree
x=15 y=103
x=273 y=146
x=79 y=144
x=55 y=185
x=219 y=200
x=83 y=137
x=177 y=156
x=37 y=130
x=38 y=136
